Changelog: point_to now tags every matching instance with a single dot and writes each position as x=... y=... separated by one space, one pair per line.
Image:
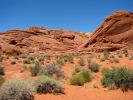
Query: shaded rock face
x=114 y=33
x=39 y=40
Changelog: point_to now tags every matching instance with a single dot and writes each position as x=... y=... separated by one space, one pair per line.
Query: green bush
x=17 y=89
x=46 y=84
x=81 y=62
x=104 y=70
x=94 y=67
x=2 y=80
x=2 y=71
x=118 y=77
x=76 y=80
x=81 y=78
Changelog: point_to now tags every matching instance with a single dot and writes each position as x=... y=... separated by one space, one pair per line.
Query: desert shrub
x=81 y=61
x=104 y=70
x=119 y=77
x=80 y=78
x=119 y=55
x=76 y=80
x=48 y=57
x=50 y=70
x=35 y=70
x=17 y=89
x=27 y=61
x=1 y=58
x=106 y=54
x=2 y=80
x=66 y=58
x=102 y=58
x=94 y=67
x=2 y=71
x=60 y=61
x=77 y=69
x=13 y=62
x=46 y=84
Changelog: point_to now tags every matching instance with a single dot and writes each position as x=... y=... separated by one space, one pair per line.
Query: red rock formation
x=39 y=40
x=114 y=33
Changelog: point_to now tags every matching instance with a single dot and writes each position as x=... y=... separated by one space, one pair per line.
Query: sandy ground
x=86 y=92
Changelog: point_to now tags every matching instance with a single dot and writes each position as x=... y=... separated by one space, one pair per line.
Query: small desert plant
x=46 y=84
x=80 y=78
x=1 y=58
x=27 y=61
x=118 y=77
x=2 y=80
x=77 y=69
x=94 y=67
x=81 y=61
x=35 y=70
x=120 y=55
x=48 y=57
x=102 y=58
x=104 y=70
x=106 y=54
x=2 y=71
x=13 y=62
x=60 y=61
x=50 y=70
x=66 y=58
x=17 y=89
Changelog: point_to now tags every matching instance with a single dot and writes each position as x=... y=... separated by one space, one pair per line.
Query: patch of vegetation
x=66 y=58
x=17 y=89
x=102 y=58
x=13 y=62
x=131 y=57
x=1 y=58
x=27 y=61
x=2 y=80
x=118 y=77
x=77 y=69
x=81 y=61
x=35 y=69
x=60 y=61
x=2 y=71
x=106 y=54
x=120 y=55
x=94 y=67
x=51 y=71
x=104 y=70
x=46 y=84
x=81 y=78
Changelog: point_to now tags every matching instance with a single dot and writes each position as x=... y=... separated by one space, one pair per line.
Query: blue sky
x=77 y=15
